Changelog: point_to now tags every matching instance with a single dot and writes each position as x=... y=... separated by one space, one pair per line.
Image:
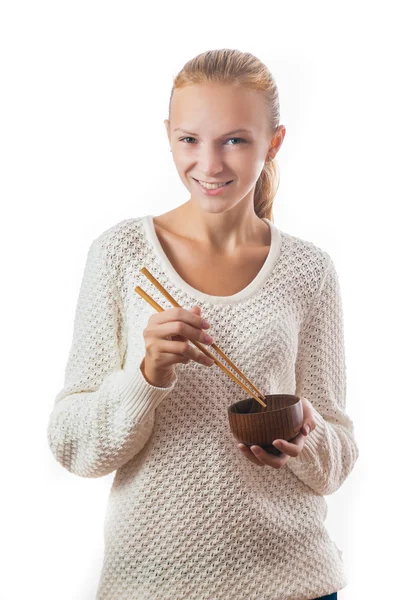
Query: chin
x=214 y=206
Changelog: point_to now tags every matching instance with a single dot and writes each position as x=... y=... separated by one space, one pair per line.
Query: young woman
x=192 y=514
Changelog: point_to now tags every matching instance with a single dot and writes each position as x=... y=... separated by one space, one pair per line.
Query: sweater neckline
x=253 y=286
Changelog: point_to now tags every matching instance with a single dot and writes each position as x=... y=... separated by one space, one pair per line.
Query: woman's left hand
x=261 y=458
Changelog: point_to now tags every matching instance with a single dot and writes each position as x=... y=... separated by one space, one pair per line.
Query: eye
x=242 y=141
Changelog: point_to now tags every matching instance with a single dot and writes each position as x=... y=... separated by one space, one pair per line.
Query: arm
x=104 y=414
x=330 y=450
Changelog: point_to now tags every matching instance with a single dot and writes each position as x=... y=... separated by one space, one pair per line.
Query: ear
x=276 y=141
x=167 y=125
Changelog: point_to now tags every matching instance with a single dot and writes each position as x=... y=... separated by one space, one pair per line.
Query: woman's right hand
x=167 y=338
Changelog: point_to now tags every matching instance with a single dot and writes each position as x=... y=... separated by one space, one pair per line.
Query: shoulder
x=306 y=253
x=306 y=261
x=117 y=239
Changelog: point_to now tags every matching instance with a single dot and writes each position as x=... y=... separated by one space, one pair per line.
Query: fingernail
x=307 y=427
x=205 y=324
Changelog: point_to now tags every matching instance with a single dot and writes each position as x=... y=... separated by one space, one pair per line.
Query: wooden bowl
x=252 y=424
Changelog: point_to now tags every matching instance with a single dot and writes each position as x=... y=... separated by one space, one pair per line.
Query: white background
x=84 y=91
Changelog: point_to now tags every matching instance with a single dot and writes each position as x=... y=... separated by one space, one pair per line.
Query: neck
x=225 y=232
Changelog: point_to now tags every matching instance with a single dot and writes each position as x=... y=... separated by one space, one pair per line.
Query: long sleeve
x=104 y=414
x=330 y=450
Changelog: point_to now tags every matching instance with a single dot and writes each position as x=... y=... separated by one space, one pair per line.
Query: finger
x=258 y=456
x=179 y=328
x=180 y=314
x=306 y=428
x=308 y=416
x=249 y=455
x=184 y=349
x=293 y=448
x=277 y=462
x=180 y=338
x=191 y=353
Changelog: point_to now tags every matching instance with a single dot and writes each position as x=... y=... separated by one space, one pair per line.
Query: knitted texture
x=188 y=516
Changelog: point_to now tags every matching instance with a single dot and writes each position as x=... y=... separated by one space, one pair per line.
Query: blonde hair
x=233 y=67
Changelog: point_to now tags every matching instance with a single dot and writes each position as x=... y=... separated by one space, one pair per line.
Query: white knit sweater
x=189 y=517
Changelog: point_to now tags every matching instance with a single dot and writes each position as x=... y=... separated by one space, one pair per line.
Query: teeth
x=212 y=186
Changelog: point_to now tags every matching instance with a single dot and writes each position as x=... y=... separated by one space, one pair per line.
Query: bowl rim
x=266 y=411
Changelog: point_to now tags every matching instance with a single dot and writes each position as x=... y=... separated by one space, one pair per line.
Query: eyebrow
x=224 y=134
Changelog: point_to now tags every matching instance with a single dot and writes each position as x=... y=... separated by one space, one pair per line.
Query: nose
x=210 y=161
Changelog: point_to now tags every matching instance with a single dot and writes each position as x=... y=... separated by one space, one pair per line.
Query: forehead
x=217 y=107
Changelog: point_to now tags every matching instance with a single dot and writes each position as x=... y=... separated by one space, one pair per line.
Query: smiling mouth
x=217 y=184
x=213 y=182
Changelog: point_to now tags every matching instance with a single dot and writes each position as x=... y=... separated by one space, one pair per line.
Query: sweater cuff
x=138 y=396
x=313 y=439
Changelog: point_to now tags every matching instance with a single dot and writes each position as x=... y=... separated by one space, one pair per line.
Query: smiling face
x=206 y=145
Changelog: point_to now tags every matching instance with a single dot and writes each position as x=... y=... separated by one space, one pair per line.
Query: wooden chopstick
x=155 y=305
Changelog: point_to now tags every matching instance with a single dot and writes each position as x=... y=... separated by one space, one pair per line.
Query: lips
x=213 y=182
